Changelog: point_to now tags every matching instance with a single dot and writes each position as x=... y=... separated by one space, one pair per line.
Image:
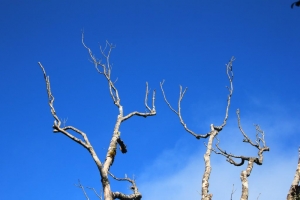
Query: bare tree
x=103 y=166
x=294 y=192
x=214 y=130
x=259 y=143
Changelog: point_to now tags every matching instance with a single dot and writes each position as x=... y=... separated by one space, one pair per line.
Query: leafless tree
x=294 y=192
x=259 y=143
x=70 y=131
x=214 y=130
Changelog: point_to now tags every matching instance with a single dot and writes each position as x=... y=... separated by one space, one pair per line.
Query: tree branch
x=136 y=194
x=86 y=144
x=106 y=69
x=99 y=196
x=151 y=112
x=178 y=113
x=232 y=192
x=57 y=122
x=230 y=89
x=82 y=188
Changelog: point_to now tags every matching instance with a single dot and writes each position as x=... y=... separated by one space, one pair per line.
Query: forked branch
x=260 y=144
x=105 y=70
x=214 y=130
x=182 y=93
x=178 y=113
x=136 y=194
x=152 y=110
x=83 y=190
x=57 y=122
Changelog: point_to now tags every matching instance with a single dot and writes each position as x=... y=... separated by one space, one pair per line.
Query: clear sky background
x=184 y=42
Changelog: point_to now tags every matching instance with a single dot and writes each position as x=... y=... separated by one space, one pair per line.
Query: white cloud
x=272 y=179
x=177 y=174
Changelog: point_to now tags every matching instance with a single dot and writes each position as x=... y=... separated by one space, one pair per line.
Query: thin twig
x=80 y=186
x=99 y=196
x=232 y=192
x=178 y=113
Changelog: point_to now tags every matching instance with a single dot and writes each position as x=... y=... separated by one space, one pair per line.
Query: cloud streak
x=177 y=174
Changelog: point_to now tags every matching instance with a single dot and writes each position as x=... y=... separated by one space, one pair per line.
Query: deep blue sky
x=183 y=42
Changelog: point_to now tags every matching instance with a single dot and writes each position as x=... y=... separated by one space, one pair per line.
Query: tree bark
x=294 y=192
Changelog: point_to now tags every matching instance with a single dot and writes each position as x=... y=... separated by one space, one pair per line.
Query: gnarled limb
x=294 y=192
x=260 y=144
x=136 y=194
x=214 y=130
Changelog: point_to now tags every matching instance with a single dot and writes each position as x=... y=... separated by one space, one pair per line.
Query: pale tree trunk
x=207 y=170
x=294 y=192
x=244 y=180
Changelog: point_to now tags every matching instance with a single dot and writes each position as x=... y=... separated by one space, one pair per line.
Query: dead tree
x=103 y=166
x=259 y=143
x=214 y=130
x=294 y=192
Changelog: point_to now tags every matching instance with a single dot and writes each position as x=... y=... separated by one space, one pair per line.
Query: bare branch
x=178 y=113
x=232 y=192
x=229 y=156
x=146 y=100
x=80 y=186
x=214 y=130
x=230 y=89
x=258 y=196
x=106 y=69
x=251 y=160
x=136 y=194
x=86 y=144
x=165 y=98
x=99 y=196
x=151 y=112
x=50 y=96
x=57 y=122
x=260 y=139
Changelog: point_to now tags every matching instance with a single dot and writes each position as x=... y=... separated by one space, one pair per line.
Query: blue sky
x=183 y=42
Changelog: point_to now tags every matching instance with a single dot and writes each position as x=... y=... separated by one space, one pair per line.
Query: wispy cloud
x=272 y=179
x=177 y=173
